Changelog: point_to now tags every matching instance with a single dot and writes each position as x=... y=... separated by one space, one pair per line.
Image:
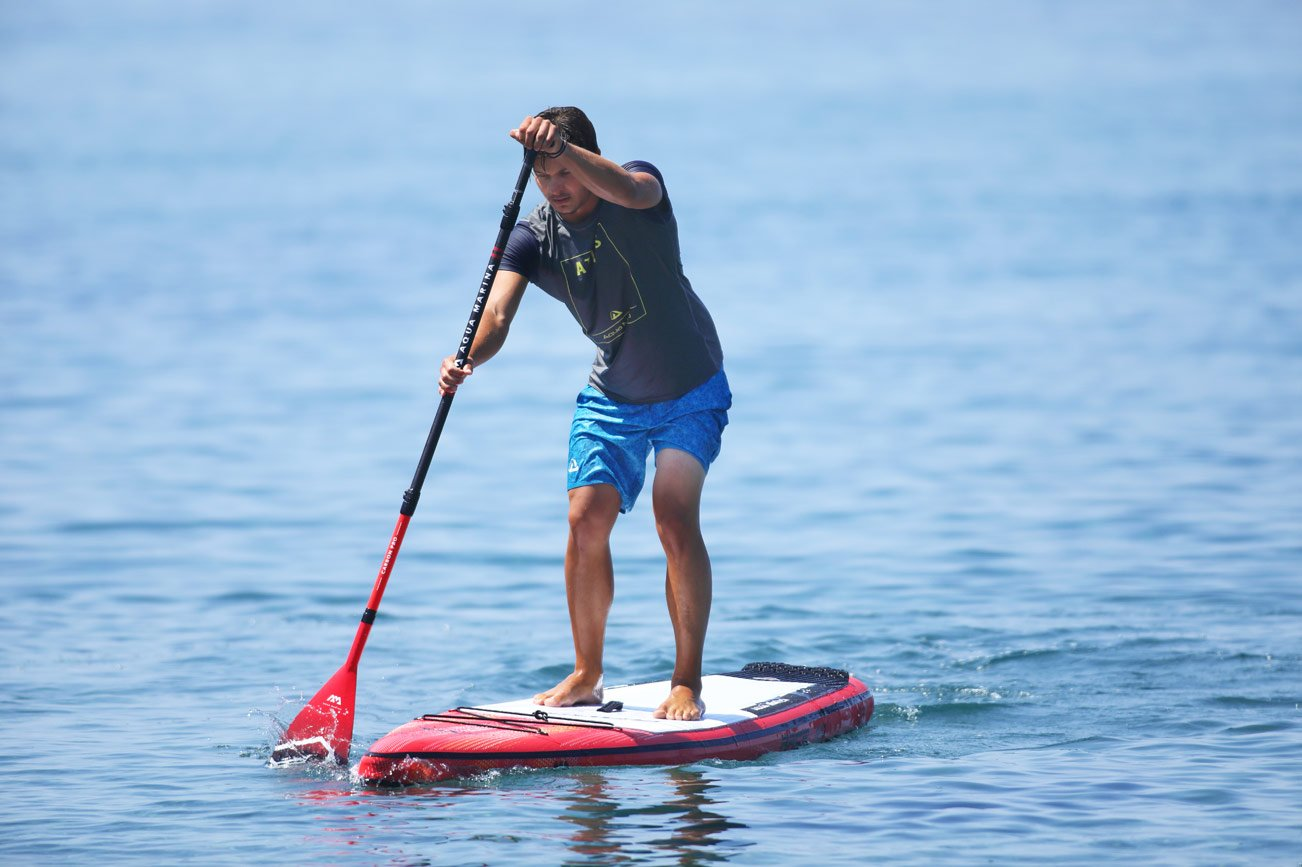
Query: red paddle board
x=764 y=707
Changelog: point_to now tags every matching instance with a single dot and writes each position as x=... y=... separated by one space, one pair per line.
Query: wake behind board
x=764 y=707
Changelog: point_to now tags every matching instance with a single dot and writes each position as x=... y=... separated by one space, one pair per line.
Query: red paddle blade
x=323 y=729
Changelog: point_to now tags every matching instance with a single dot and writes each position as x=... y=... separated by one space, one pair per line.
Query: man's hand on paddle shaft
x=538 y=134
x=450 y=376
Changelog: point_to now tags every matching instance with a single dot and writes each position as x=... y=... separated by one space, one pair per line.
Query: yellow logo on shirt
x=584 y=261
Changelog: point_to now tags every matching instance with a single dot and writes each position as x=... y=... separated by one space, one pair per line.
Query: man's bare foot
x=683 y=704
x=573 y=690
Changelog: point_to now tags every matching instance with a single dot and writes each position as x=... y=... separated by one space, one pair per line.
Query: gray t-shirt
x=620 y=273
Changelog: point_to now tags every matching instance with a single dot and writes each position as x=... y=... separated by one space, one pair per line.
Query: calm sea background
x=1011 y=296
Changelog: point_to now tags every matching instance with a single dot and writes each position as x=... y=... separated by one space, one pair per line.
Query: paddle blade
x=323 y=729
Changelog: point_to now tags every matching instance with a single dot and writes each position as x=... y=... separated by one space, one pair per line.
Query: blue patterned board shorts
x=610 y=441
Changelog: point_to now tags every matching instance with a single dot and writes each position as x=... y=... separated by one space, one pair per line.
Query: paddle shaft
x=510 y=212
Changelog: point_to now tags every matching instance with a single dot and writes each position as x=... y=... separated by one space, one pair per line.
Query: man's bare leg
x=589 y=589
x=676 y=498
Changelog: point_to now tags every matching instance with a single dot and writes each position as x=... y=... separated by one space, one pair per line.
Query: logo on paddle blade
x=334 y=699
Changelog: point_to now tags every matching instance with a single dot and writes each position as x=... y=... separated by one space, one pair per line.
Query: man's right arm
x=503 y=301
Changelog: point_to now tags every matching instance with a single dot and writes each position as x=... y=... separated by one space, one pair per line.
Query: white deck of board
x=724 y=699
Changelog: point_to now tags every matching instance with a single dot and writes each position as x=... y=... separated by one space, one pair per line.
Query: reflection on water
x=683 y=824
x=660 y=815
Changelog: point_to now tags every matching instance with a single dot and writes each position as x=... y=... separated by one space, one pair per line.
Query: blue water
x=1011 y=295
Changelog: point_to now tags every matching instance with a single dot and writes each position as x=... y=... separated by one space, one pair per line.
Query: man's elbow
x=646 y=192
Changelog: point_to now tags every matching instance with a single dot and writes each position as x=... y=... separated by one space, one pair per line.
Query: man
x=605 y=243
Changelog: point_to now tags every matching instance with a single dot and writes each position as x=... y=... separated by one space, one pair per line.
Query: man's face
x=569 y=198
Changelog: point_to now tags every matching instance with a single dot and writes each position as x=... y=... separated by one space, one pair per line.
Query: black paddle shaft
x=510 y=212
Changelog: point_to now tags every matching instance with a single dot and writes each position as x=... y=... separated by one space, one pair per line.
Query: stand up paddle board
x=764 y=707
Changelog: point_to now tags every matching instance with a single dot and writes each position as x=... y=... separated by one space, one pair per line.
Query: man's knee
x=679 y=529
x=593 y=510
x=678 y=521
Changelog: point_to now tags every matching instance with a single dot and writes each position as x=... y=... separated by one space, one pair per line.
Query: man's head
x=575 y=124
x=562 y=190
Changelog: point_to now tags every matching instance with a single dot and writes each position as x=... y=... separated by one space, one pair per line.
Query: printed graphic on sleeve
x=603 y=324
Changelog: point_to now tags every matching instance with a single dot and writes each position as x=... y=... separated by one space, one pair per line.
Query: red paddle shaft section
x=425 y=751
x=377 y=592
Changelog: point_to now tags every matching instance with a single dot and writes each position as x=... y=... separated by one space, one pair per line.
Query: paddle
x=324 y=727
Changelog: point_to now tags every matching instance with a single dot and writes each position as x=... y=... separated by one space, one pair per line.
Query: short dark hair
x=575 y=124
